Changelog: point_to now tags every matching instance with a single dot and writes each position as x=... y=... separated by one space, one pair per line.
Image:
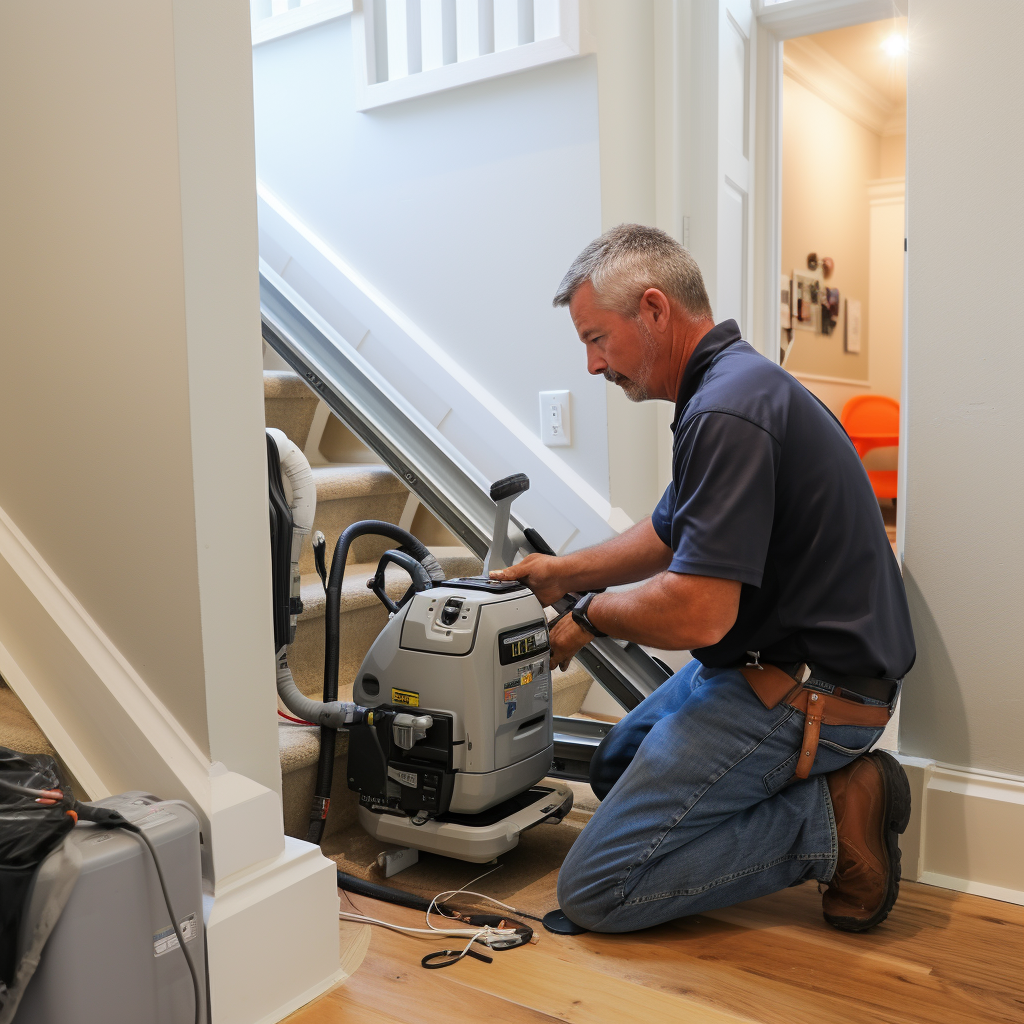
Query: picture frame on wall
x=806 y=298
x=851 y=334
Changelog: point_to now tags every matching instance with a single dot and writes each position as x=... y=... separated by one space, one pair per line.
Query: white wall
x=464 y=208
x=963 y=552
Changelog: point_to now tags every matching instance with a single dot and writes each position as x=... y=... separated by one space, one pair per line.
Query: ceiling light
x=895 y=45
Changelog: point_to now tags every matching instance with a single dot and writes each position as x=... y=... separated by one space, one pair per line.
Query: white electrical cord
x=486 y=936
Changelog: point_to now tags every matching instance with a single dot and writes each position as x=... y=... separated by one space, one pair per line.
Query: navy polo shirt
x=767 y=489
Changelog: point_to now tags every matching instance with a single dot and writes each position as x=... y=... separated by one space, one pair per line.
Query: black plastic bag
x=28 y=832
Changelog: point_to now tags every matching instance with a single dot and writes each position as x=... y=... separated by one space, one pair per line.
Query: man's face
x=619 y=348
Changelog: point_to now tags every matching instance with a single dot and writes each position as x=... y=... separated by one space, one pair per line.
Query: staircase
x=351 y=485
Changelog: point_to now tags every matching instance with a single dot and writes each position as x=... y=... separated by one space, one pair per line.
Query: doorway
x=843 y=132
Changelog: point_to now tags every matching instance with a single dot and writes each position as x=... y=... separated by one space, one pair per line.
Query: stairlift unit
x=450 y=730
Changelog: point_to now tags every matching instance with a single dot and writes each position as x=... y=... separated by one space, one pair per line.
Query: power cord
x=495 y=933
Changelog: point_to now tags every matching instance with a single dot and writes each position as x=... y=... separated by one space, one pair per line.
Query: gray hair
x=624 y=262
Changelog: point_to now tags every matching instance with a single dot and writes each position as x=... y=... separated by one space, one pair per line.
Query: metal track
x=452 y=489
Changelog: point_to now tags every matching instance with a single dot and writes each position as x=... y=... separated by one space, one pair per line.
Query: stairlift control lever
x=503 y=492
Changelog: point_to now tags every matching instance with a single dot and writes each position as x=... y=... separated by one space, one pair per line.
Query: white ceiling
x=859 y=49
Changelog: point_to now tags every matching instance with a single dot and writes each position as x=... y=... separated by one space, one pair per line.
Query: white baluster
x=404 y=47
x=474 y=28
x=437 y=26
x=546 y=19
x=513 y=23
x=260 y=9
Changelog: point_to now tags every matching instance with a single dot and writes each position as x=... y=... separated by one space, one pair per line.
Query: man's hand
x=541 y=573
x=567 y=639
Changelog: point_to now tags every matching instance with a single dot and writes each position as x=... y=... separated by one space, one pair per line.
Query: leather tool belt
x=774 y=686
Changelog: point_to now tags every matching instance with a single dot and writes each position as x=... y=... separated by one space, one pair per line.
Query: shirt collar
x=719 y=337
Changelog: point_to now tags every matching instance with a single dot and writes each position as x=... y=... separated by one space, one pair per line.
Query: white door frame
x=777 y=22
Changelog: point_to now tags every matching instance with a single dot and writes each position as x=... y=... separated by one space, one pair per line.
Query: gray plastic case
x=113 y=955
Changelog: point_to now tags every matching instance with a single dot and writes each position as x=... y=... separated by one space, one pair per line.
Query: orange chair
x=873 y=421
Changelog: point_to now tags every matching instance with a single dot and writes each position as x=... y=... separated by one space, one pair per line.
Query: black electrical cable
x=332 y=654
x=147 y=842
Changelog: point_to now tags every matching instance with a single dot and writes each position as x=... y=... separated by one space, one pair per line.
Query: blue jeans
x=697 y=811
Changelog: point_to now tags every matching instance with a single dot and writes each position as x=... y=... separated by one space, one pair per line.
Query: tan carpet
x=18 y=731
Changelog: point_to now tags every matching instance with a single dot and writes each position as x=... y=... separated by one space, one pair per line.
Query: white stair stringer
x=458 y=411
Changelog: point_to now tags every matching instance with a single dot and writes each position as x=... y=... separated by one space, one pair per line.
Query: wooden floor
x=941 y=958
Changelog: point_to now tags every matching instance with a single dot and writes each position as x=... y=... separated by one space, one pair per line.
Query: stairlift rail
x=453 y=490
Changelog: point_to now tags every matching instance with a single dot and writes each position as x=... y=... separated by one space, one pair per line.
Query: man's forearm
x=635 y=555
x=673 y=611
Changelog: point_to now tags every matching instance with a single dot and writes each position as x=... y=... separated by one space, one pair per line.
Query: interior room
x=502 y=516
x=844 y=115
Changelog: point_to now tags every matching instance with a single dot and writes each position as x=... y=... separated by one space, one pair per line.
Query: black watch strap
x=580 y=617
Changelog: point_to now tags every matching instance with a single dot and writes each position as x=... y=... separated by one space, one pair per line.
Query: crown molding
x=817 y=70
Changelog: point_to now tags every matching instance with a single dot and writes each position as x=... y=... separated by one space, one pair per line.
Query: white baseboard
x=966 y=830
x=272 y=938
x=566 y=510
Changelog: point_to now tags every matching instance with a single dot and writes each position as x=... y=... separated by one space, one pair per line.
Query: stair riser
x=359 y=628
x=332 y=517
x=297 y=797
x=292 y=415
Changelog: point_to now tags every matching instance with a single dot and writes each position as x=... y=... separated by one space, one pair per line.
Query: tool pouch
x=774 y=687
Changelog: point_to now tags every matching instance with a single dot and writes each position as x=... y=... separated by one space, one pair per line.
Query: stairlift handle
x=420 y=578
x=501 y=553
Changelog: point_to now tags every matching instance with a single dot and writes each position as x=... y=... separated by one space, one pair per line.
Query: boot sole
x=895 y=818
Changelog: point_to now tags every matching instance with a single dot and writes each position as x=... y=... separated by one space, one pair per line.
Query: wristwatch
x=579 y=615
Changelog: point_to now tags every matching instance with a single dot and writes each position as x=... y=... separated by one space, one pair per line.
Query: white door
x=721 y=161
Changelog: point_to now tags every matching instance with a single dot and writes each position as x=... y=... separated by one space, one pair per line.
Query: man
x=749 y=770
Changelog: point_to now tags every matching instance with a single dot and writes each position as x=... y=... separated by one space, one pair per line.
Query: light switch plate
x=555 y=419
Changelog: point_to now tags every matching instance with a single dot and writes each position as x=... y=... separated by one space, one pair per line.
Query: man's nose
x=596 y=363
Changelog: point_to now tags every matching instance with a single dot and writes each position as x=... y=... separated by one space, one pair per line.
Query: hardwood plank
x=577 y=994
x=941 y=958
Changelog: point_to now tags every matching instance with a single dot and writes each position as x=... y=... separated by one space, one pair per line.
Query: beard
x=637 y=389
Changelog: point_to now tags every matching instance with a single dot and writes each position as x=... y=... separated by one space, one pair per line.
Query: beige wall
x=964 y=500
x=132 y=401
x=885 y=287
x=827 y=161
x=893 y=156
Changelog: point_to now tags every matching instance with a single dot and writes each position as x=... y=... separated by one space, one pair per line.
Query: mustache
x=612 y=377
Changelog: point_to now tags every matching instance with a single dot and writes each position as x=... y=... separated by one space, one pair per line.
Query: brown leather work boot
x=871 y=803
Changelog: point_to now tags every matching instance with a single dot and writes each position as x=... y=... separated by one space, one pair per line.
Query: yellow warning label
x=526 y=678
x=407 y=697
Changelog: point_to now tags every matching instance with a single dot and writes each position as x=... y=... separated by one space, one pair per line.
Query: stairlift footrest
x=477 y=844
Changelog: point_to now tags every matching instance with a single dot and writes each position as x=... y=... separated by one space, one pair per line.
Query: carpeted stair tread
x=288 y=404
x=18 y=731
x=355 y=480
x=346 y=494
x=285 y=384
x=355 y=594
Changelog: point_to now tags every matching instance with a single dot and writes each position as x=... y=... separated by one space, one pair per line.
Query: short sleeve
x=661 y=517
x=723 y=504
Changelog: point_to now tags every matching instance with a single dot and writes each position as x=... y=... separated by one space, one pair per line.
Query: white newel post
x=135 y=616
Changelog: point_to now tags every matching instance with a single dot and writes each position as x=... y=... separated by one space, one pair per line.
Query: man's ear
x=657 y=305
